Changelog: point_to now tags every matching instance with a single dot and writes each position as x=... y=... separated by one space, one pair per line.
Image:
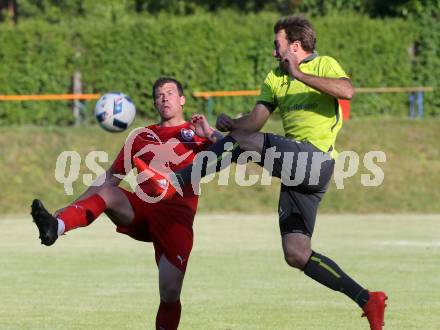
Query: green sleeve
x=267 y=94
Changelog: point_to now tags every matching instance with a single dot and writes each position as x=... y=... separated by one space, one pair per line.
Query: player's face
x=168 y=102
x=281 y=46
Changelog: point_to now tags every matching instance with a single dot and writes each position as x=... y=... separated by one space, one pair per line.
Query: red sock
x=168 y=315
x=82 y=213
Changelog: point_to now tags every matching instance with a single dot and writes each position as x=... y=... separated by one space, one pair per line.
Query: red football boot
x=159 y=184
x=374 y=309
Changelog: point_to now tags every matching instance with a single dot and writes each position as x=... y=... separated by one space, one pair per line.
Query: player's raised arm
x=339 y=87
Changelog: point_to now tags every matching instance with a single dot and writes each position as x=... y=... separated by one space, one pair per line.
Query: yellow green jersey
x=307 y=114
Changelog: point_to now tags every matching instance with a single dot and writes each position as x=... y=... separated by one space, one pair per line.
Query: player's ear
x=295 y=46
x=182 y=100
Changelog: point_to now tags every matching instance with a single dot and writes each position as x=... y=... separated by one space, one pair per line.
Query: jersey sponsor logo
x=187 y=134
x=303 y=106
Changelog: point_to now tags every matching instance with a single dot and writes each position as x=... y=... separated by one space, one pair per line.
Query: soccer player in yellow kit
x=305 y=88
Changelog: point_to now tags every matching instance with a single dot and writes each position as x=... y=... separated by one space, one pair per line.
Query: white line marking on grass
x=411 y=243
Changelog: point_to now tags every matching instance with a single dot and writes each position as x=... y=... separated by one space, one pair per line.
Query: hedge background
x=225 y=50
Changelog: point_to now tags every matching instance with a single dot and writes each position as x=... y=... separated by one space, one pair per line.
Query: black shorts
x=305 y=172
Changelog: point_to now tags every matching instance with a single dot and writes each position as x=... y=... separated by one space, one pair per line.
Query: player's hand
x=225 y=123
x=291 y=63
x=200 y=126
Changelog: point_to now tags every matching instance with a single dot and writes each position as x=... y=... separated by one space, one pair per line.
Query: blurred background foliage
x=60 y=10
x=209 y=45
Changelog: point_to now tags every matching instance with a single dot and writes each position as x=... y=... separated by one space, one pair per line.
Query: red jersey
x=166 y=149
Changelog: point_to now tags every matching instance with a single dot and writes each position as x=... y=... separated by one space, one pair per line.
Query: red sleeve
x=201 y=144
x=118 y=164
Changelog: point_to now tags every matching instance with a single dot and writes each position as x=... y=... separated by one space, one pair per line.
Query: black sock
x=327 y=272
x=224 y=155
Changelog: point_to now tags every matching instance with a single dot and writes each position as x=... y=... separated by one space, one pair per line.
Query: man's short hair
x=297 y=28
x=164 y=80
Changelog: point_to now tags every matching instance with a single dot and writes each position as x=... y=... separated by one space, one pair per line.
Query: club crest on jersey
x=187 y=134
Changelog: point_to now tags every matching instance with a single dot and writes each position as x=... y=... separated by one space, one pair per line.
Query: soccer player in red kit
x=167 y=146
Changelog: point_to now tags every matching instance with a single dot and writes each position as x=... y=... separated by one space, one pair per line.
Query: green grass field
x=94 y=278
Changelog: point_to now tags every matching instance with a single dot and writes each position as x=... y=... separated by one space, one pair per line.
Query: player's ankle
x=61 y=227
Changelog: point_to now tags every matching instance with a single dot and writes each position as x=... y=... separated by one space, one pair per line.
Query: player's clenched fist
x=200 y=126
x=225 y=123
x=291 y=63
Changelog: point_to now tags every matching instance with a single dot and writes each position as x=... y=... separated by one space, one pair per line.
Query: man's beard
x=282 y=65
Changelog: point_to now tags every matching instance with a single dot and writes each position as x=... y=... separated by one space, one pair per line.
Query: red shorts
x=163 y=225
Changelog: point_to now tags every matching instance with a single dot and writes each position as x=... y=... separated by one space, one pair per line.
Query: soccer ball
x=115 y=112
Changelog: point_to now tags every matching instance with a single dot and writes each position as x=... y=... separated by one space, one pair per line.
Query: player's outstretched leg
x=46 y=223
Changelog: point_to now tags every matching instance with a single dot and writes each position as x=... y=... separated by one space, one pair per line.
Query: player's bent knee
x=296 y=260
x=109 y=194
x=106 y=192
